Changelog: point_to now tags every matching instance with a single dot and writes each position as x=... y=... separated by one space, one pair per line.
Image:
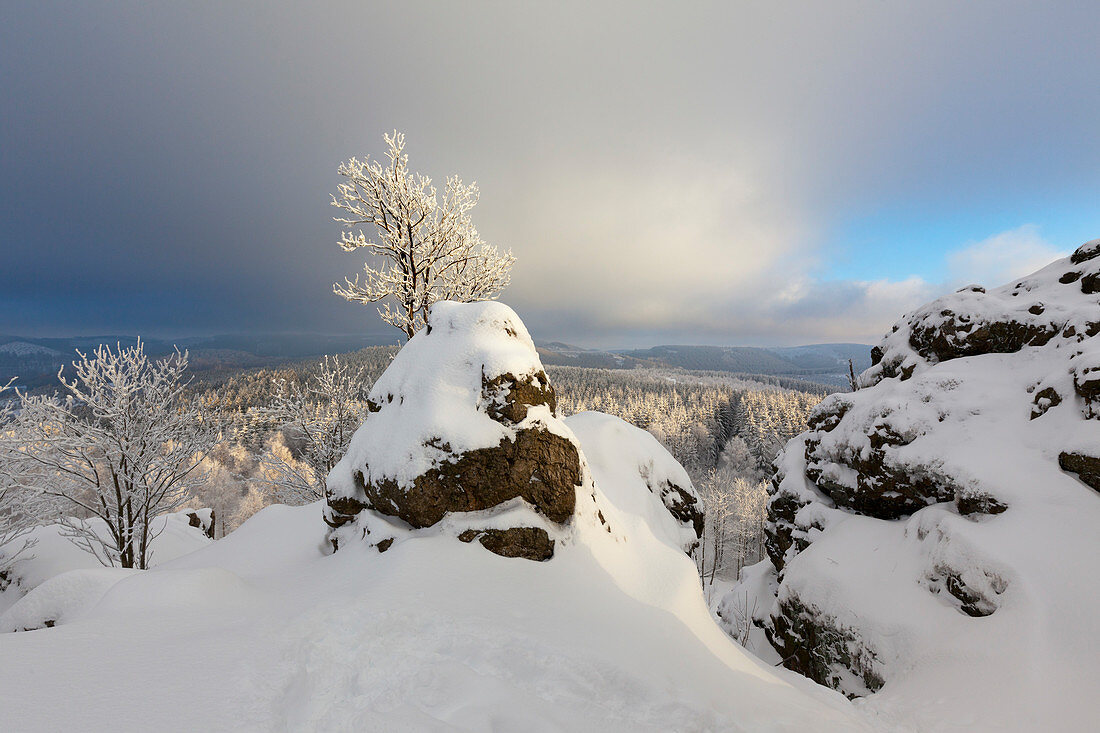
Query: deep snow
x=263 y=631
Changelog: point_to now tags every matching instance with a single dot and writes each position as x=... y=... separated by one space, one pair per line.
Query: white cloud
x=996 y=260
x=688 y=267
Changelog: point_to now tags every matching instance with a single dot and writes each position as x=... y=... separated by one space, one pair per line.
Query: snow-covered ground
x=263 y=631
x=269 y=628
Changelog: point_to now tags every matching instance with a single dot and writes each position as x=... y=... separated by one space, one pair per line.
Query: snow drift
x=53 y=554
x=933 y=537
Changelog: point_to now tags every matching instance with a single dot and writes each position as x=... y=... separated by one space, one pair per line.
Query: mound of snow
x=53 y=554
x=935 y=532
x=611 y=635
x=60 y=599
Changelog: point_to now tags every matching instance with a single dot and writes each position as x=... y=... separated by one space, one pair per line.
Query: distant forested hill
x=824 y=362
x=35 y=361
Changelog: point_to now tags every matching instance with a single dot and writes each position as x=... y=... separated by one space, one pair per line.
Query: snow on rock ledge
x=933 y=534
x=462 y=426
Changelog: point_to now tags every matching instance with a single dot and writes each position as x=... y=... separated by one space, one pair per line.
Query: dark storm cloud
x=658 y=170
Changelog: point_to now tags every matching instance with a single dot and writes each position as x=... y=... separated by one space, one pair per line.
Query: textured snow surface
x=1032 y=663
x=263 y=631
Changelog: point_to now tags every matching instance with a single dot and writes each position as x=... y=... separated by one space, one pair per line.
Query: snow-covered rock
x=933 y=535
x=462 y=426
x=61 y=598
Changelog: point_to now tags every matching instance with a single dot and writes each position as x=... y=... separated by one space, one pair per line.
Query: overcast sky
x=735 y=173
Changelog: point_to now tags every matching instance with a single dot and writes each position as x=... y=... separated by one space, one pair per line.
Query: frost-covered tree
x=719 y=505
x=317 y=420
x=21 y=507
x=733 y=533
x=426 y=247
x=122 y=446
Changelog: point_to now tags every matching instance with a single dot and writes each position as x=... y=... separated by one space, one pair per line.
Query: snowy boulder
x=1057 y=301
x=203 y=519
x=931 y=535
x=463 y=421
x=60 y=599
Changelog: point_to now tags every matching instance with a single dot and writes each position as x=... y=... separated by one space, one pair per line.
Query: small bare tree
x=318 y=420
x=427 y=248
x=122 y=446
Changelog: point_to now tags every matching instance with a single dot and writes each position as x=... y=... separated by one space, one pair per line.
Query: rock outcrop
x=927 y=500
x=462 y=424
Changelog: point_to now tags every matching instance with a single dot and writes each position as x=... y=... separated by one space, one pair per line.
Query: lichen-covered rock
x=538 y=466
x=464 y=420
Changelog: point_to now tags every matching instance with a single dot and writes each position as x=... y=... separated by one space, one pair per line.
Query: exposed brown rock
x=1086 y=382
x=883 y=489
x=529 y=543
x=194 y=520
x=779 y=530
x=508 y=397
x=538 y=466
x=1045 y=399
x=1090 y=283
x=682 y=504
x=973 y=601
x=976 y=502
x=817 y=647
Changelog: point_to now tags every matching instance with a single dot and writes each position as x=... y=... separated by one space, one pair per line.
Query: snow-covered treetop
x=1056 y=305
x=430 y=403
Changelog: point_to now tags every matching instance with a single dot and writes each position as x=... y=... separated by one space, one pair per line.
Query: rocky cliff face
x=952 y=497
